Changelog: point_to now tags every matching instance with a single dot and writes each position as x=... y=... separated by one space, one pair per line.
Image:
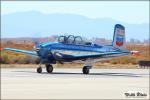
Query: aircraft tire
x=39 y=70
x=85 y=70
x=49 y=68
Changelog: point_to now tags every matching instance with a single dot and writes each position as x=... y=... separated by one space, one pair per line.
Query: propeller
x=37 y=39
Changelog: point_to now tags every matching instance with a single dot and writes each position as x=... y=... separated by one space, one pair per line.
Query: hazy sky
x=126 y=11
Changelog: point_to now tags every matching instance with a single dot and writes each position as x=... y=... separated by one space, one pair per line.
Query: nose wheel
x=86 y=70
x=39 y=69
x=49 y=68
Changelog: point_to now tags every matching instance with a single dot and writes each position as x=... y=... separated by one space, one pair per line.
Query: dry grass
x=70 y=65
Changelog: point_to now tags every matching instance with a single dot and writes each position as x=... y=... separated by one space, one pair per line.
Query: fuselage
x=69 y=52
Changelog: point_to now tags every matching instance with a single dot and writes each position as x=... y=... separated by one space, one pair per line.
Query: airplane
x=74 y=48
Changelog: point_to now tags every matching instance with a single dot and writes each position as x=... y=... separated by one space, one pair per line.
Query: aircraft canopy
x=71 y=39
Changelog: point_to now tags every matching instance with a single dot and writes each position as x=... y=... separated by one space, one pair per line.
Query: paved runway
x=25 y=83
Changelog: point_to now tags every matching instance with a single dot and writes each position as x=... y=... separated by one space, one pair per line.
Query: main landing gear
x=49 y=68
x=86 y=69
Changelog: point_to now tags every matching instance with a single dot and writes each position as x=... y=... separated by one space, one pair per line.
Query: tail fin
x=119 y=37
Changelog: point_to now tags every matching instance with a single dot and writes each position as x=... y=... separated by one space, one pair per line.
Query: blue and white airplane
x=73 y=48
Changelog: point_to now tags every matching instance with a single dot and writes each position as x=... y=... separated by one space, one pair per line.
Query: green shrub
x=4 y=58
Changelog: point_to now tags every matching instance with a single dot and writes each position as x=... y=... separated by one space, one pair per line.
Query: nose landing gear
x=39 y=69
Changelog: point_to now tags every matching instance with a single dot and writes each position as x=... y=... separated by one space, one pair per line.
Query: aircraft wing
x=32 y=53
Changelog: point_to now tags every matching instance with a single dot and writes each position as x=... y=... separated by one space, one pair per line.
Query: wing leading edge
x=32 y=53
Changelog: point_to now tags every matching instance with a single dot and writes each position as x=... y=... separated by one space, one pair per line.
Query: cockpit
x=71 y=39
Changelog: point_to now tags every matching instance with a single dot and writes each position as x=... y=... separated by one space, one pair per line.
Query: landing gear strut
x=86 y=69
x=49 y=68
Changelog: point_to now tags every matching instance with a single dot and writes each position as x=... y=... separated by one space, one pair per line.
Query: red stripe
x=119 y=43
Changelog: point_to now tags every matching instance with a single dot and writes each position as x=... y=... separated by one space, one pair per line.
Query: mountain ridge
x=36 y=24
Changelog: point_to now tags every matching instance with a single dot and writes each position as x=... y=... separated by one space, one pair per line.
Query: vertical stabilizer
x=119 y=37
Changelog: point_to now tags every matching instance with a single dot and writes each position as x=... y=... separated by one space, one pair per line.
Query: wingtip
x=6 y=48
